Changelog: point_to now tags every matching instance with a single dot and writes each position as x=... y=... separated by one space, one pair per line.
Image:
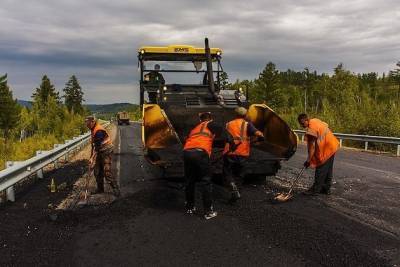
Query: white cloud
x=97 y=39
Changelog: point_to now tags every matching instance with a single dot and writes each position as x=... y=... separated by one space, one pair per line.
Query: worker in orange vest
x=196 y=155
x=101 y=156
x=237 y=149
x=322 y=146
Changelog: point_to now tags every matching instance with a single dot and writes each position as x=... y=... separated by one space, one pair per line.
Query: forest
x=357 y=103
x=51 y=119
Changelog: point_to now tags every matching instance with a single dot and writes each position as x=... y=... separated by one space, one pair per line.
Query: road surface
x=356 y=226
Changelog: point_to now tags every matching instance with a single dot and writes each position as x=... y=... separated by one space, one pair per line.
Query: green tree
x=46 y=90
x=394 y=76
x=46 y=108
x=267 y=87
x=73 y=95
x=9 y=109
x=224 y=80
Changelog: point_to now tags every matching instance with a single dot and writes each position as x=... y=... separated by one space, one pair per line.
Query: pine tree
x=46 y=90
x=267 y=87
x=46 y=107
x=224 y=80
x=73 y=95
x=394 y=76
x=9 y=109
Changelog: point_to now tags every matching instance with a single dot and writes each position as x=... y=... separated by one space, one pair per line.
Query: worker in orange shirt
x=101 y=156
x=196 y=157
x=322 y=146
x=237 y=149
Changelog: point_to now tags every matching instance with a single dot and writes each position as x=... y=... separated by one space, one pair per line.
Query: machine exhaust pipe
x=210 y=75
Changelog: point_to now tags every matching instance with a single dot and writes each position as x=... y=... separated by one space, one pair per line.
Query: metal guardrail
x=363 y=138
x=18 y=170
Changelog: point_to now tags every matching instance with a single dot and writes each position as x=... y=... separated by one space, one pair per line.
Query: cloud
x=97 y=39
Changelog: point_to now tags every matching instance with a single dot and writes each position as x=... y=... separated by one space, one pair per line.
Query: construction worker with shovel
x=237 y=149
x=322 y=146
x=101 y=156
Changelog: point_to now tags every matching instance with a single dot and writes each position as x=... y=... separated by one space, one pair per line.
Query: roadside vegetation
x=365 y=103
x=358 y=103
x=49 y=121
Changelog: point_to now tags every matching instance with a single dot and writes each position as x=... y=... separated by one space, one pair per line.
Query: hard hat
x=241 y=111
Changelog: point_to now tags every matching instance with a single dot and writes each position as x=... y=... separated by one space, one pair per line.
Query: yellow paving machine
x=177 y=83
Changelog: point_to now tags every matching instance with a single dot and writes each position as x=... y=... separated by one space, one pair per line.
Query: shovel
x=283 y=197
x=87 y=178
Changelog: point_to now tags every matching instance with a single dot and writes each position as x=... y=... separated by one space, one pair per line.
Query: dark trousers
x=197 y=170
x=233 y=168
x=323 y=176
x=102 y=170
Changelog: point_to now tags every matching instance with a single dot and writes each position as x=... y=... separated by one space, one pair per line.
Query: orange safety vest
x=238 y=129
x=200 y=137
x=326 y=145
x=97 y=127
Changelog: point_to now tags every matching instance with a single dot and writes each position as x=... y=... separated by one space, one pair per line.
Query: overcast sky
x=97 y=40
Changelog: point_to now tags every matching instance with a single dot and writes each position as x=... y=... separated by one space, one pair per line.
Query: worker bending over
x=322 y=146
x=237 y=149
x=196 y=156
x=101 y=156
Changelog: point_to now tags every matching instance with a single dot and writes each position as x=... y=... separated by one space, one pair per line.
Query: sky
x=97 y=40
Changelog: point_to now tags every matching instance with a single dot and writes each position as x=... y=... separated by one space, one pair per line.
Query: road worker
x=196 y=155
x=237 y=149
x=101 y=156
x=322 y=146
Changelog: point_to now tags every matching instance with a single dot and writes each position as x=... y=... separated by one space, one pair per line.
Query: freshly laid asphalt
x=358 y=225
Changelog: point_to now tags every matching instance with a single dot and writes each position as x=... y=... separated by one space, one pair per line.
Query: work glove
x=306 y=164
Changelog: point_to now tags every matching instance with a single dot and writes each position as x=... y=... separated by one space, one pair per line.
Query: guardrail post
x=366 y=146
x=39 y=173
x=340 y=142
x=56 y=165
x=10 y=193
x=398 y=150
x=66 y=156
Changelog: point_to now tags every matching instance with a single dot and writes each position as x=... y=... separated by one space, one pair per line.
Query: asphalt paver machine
x=178 y=82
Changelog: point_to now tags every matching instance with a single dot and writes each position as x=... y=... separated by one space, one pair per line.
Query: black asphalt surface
x=356 y=226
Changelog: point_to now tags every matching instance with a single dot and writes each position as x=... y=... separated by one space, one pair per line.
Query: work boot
x=116 y=190
x=210 y=214
x=235 y=195
x=310 y=192
x=190 y=208
x=326 y=191
x=191 y=211
x=100 y=188
x=98 y=191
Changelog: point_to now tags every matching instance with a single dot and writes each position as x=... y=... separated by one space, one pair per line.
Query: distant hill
x=111 y=108
x=94 y=108
x=25 y=103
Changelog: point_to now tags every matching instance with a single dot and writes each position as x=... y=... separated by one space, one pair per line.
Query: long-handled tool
x=88 y=176
x=283 y=197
